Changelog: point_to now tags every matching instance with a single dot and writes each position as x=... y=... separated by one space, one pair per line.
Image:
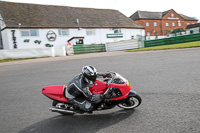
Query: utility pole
x=1 y=42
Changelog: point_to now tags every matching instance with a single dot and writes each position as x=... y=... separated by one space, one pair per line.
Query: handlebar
x=111 y=77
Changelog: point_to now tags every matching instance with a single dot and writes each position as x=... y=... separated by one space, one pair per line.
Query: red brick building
x=161 y=23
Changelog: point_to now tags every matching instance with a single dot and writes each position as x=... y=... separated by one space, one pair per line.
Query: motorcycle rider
x=79 y=87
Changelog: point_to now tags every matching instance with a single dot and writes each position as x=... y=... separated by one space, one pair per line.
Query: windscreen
x=118 y=79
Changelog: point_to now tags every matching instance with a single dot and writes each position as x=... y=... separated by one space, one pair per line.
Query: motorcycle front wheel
x=131 y=102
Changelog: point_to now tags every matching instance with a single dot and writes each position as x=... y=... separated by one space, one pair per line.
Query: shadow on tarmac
x=88 y=123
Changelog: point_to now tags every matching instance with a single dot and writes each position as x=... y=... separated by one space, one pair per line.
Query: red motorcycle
x=118 y=88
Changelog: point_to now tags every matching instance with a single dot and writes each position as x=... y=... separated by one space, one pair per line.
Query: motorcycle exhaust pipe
x=54 y=109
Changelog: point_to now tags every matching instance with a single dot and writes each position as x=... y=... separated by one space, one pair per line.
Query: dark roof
x=146 y=15
x=155 y=15
x=75 y=38
x=165 y=12
x=188 y=18
x=193 y=25
x=43 y=16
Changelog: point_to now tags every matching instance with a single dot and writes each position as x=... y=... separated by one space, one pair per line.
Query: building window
x=167 y=24
x=172 y=15
x=30 y=32
x=147 y=24
x=173 y=24
x=148 y=33
x=63 y=32
x=117 y=31
x=179 y=23
x=155 y=24
x=90 y=32
x=25 y=33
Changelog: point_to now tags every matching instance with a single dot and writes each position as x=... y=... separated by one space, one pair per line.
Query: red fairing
x=118 y=98
x=99 y=87
x=55 y=92
x=124 y=88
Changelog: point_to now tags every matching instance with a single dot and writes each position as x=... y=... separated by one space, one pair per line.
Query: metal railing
x=172 y=40
x=93 y=48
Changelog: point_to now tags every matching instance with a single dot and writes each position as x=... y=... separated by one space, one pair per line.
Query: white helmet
x=89 y=74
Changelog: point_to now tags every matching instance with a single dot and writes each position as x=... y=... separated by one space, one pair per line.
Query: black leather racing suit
x=76 y=92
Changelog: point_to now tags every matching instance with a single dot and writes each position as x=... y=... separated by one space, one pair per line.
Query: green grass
x=172 y=46
x=9 y=60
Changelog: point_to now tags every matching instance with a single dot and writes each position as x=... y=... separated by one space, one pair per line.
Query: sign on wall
x=114 y=35
x=14 y=38
x=51 y=36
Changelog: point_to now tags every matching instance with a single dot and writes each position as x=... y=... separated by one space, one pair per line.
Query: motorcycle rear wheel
x=131 y=102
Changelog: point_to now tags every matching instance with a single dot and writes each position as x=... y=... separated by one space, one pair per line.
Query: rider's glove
x=106 y=75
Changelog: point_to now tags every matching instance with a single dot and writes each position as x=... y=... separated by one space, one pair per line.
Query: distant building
x=159 y=24
x=193 y=28
x=36 y=26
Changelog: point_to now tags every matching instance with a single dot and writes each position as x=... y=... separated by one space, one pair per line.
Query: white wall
x=30 y=53
x=195 y=30
x=154 y=37
x=6 y=40
x=2 y=24
x=100 y=37
x=161 y=37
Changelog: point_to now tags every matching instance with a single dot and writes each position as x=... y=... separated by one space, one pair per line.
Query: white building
x=37 y=26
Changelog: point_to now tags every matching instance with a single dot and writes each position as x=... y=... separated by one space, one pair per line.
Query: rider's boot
x=82 y=107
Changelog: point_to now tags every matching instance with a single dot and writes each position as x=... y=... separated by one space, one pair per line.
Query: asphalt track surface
x=168 y=82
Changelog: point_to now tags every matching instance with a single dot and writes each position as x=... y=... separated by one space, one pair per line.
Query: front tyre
x=131 y=102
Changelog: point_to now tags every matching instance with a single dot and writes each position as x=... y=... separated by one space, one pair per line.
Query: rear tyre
x=61 y=106
x=131 y=102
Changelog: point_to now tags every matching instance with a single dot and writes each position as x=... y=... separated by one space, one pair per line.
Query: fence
x=93 y=48
x=122 y=45
x=172 y=40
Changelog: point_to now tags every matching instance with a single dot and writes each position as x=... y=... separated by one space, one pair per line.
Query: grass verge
x=172 y=46
x=9 y=60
